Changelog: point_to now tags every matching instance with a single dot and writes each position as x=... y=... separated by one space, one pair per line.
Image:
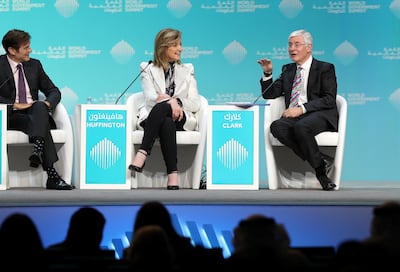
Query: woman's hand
x=177 y=112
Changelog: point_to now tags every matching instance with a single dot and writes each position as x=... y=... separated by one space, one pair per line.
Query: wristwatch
x=267 y=74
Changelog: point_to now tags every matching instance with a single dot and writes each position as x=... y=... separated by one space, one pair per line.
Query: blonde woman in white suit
x=171 y=102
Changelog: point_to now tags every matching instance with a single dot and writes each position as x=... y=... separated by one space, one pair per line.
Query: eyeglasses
x=295 y=45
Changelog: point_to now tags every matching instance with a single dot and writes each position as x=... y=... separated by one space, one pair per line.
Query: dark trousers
x=299 y=135
x=159 y=124
x=36 y=123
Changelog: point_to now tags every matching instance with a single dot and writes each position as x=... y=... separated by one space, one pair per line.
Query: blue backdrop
x=92 y=50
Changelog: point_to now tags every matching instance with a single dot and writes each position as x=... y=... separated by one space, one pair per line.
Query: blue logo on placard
x=105 y=154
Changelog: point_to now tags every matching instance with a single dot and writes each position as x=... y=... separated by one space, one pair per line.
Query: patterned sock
x=52 y=173
x=38 y=145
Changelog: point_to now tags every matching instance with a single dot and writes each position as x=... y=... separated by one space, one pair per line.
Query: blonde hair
x=164 y=39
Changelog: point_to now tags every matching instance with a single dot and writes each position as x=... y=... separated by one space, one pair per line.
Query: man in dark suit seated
x=310 y=88
x=21 y=78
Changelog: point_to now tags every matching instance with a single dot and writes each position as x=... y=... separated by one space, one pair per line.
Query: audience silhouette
x=385 y=227
x=20 y=244
x=82 y=244
x=155 y=213
x=84 y=234
x=188 y=257
x=379 y=251
x=258 y=241
x=150 y=250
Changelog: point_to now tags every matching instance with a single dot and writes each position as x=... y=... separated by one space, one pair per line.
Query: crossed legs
x=159 y=124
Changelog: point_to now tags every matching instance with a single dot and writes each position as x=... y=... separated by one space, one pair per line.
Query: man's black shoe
x=326 y=183
x=58 y=184
x=35 y=159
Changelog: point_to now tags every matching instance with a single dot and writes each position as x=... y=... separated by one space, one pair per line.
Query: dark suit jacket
x=37 y=80
x=321 y=89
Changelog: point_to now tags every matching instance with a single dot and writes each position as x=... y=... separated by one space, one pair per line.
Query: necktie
x=21 y=85
x=296 y=88
x=169 y=80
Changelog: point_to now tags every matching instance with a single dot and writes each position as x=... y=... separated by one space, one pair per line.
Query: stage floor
x=368 y=193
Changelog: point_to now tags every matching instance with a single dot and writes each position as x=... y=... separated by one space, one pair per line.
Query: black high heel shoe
x=137 y=168
x=172 y=187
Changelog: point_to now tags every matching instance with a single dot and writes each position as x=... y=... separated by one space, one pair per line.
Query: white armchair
x=18 y=171
x=285 y=169
x=191 y=148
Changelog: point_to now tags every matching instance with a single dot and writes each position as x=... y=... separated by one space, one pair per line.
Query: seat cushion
x=18 y=137
x=182 y=137
x=328 y=138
